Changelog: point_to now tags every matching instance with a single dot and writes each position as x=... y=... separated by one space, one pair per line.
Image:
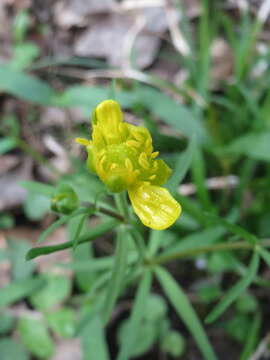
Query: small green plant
x=122 y=157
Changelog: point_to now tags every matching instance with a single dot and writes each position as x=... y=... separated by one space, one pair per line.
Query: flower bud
x=65 y=200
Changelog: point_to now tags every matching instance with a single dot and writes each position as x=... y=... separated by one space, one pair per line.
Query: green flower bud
x=65 y=200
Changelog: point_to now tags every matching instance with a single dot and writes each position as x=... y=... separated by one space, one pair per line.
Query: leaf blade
x=185 y=311
x=126 y=349
x=235 y=290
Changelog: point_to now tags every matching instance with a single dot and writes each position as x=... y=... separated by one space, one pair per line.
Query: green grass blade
x=185 y=311
x=118 y=273
x=137 y=314
x=235 y=290
x=182 y=166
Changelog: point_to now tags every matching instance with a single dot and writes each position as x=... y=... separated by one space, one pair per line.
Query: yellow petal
x=83 y=141
x=154 y=205
x=108 y=126
x=109 y=114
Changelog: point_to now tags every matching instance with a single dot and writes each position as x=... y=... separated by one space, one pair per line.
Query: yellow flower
x=122 y=156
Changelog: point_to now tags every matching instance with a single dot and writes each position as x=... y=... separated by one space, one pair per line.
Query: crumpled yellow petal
x=154 y=205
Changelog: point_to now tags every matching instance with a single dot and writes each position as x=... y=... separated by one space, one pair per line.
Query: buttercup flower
x=122 y=156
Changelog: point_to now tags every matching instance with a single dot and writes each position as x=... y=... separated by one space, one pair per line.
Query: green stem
x=104 y=211
x=203 y=249
x=122 y=204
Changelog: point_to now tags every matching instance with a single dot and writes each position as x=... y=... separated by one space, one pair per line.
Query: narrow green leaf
x=137 y=314
x=118 y=273
x=235 y=229
x=197 y=239
x=265 y=255
x=185 y=311
x=182 y=165
x=235 y=290
x=155 y=239
x=90 y=265
x=79 y=229
x=20 y=289
x=26 y=87
x=254 y=145
x=89 y=235
x=199 y=177
x=252 y=338
x=61 y=221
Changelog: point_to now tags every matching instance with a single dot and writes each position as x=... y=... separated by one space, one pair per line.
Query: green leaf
x=7 y=221
x=185 y=311
x=199 y=177
x=57 y=289
x=10 y=349
x=235 y=229
x=39 y=188
x=155 y=240
x=25 y=86
x=197 y=239
x=265 y=255
x=7 y=144
x=182 y=166
x=23 y=55
x=118 y=272
x=156 y=308
x=148 y=335
x=36 y=206
x=134 y=323
x=82 y=254
x=35 y=337
x=62 y=322
x=238 y=327
x=6 y=323
x=89 y=235
x=83 y=96
x=176 y=115
x=254 y=145
x=235 y=290
x=93 y=341
x=246 y=303
x=19 y=267
x=61 y=221
x=89 y=97
x=174 y=344
x=19 y=290
x=252 y=337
